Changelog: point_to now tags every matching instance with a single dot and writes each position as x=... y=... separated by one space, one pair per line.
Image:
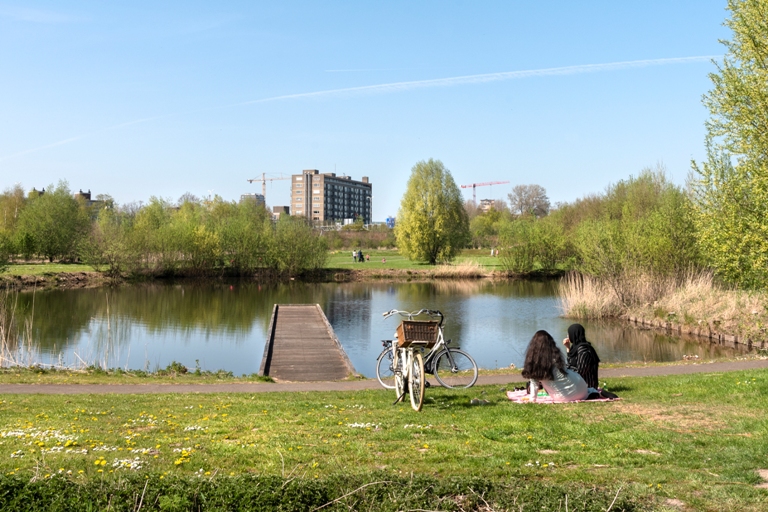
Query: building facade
x=256 y=198
x=325 y=198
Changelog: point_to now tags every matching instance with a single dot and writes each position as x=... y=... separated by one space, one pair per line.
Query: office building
x=255 y=198
x=327 y=198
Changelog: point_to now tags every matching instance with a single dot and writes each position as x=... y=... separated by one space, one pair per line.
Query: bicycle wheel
x=398 y=364
x=385 y=369
x=455 y=368
x=416 y=381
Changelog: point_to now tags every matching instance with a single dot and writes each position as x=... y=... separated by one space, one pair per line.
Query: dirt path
x=354 y=385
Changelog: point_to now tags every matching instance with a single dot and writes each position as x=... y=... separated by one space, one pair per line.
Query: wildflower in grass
x=129 y=464
x=368 y=426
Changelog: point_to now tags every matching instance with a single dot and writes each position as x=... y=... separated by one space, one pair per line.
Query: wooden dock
x=301 y=346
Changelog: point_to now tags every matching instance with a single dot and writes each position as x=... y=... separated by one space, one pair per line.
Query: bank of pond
x=223 y=325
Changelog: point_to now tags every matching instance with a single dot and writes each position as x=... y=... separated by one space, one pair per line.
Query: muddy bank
x=69 y=280
x=704 y=330
x=62 y=280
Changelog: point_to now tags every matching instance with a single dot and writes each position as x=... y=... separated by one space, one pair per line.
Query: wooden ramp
x=301 y=346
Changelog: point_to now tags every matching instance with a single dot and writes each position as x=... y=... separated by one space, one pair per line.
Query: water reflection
x=223 y=325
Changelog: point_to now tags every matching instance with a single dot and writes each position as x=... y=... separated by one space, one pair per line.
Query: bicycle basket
x=411 y=332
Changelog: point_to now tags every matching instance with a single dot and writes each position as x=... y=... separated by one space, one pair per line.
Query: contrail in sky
x=395 y=87
x=484 y=78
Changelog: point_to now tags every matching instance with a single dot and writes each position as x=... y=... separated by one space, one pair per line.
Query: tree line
x=161 y=238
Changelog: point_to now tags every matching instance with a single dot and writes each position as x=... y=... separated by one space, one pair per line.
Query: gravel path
x=352 y=385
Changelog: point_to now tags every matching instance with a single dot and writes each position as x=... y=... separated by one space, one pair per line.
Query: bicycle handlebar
x=410 y=314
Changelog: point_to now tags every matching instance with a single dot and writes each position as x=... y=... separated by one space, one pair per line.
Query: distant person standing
x=354 y=256
x=582 y=357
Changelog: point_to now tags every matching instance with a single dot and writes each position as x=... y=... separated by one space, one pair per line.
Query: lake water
x=224 y=325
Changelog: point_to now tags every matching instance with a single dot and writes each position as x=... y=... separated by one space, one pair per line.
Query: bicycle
x=451 y=366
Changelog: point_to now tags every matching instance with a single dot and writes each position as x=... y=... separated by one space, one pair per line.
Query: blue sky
x=161 y=98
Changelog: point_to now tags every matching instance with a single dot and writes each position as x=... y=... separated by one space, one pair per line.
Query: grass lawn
x=39 y=269
x=380 y=259
x=698 y=439
x=391 y=259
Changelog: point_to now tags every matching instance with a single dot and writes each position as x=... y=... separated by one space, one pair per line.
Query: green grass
x=336 y=260
x=39 y=269
x=343 y=259
x=695 y=438
x=93 y=375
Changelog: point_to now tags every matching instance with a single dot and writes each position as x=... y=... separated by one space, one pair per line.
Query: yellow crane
x=264 y=181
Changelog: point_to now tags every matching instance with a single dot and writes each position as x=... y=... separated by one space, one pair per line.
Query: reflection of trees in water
x=523 y=288
x=60 y=317
x=107 y=316
x=57 y=317
x=348 y=307
x=620 y=342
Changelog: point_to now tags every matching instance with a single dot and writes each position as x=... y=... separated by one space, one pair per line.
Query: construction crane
x=264 y=181
x=475 y=185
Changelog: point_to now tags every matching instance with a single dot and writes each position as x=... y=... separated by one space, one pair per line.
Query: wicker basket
x=411 y=332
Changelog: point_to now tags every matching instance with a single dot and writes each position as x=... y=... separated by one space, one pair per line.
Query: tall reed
x=15 y=339
x=583 y=296
x=464 y=269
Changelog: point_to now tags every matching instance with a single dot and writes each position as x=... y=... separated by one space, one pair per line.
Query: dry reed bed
x=695 y=300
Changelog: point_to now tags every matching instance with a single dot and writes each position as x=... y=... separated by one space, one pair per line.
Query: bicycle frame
x=439 y=345
x=443 y=362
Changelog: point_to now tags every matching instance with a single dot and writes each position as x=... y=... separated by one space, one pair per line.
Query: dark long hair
x=542 y=357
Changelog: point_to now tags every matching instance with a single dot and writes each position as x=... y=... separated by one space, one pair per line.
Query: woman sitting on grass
x=544 y=364
x=581 y=355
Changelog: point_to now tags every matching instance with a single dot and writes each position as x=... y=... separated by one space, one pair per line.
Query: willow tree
x=432 y=224
x=731 y=190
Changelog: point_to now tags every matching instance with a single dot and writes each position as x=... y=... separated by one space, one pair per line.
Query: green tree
x=484 y=228
x=432 y=224
x=642 y=227
x=731 y=189
x=296 y=247
x=53 y=224
x=246 y=235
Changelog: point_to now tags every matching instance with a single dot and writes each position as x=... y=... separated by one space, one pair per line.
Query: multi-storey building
x=326 y=197
x=486 y=205
x=256 y=198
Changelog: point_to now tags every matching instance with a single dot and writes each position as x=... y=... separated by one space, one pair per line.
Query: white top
x=566 y=387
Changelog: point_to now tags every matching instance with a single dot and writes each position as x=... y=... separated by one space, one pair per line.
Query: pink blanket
x=522 y=397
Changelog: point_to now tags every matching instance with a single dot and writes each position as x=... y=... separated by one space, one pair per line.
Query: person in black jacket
x=582 y=357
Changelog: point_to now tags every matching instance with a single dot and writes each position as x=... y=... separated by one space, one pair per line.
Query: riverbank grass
x=42 y=269
x=392 y=260
x=382 y=259
x=699 y=440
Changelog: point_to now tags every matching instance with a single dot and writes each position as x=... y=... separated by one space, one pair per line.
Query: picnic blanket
x=522 y=397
